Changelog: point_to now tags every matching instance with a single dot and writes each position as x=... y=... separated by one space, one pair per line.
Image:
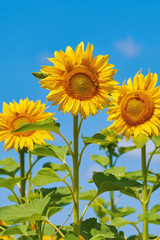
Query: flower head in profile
x=136 y=107
x=77 y=82
x=14 y=116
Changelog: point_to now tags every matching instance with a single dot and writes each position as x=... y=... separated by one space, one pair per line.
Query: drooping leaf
x=40 y=75
x=87 y=195
x=97 y=138
x=140 y=140
x=35 y=210
x=51 y=150
x=9 y=182
x=10 y=167
x=47 y=124
x=130 y=192
x=121 y=212
x=119 y=222
x=123 y=150
x=109 y=182
x=15 y=230
x=155 y=208
x=154 y=218
x=102 y=160
x=45 y=176
x=55 y=167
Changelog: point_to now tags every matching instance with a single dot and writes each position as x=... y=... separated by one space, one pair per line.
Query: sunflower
x=14 y=116
x=77 y=82
x=136 y=107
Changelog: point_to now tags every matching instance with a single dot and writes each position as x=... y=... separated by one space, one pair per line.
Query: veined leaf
x=108 y=182
x=119 y=222
x=16 y=230
x=97 y=138
x=55 y=167
x=123 y=150
x=51 y=150
x=35 y=210
x=47 y=124
x=45 y=176
x=9 y=182
x=116 y=171
x=10 y=167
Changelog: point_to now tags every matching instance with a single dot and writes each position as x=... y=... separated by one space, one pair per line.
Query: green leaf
x=35 y=210
x=10 y=167
x=51 y=150
x=155 y=209
x=116 y=171
x=16 y=230
x=45 y=176
x=97 y=138
x=108 y=182
x=142 y=217
x=87 y=195
x=60 y=196
x=154 y=218
x=47 y=124
x=40 y=75
x=9 y=182
x=90 y=229
x=55 y=167
x=71 y=236
x=52 y=210
x=140 y=140
x=130 y=192
x=121 y=212
x=156 y=140
x=123 y=150
x=102 y=160
x=119 y=222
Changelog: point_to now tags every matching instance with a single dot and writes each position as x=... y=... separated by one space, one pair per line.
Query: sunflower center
x=137 y=108
x=81 y=83
x=20 y=121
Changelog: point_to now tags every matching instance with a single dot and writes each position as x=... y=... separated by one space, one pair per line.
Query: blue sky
x=30 y=31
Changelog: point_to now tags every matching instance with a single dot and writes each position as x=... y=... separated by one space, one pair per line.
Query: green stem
x=75 y=177
x=151 y=158
x=22 y=172
x=30 y=175
x=81 y=219
x=57 y=229
x=144 y=193
x=111 y=192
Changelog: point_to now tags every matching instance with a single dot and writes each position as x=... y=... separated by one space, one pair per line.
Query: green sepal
x=40 y=75
x=140 y=140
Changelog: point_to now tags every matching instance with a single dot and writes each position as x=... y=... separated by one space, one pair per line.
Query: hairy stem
x=144 y=192
x=75 y=177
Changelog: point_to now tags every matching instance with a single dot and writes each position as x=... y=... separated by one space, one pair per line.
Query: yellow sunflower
x=14 y=116
x=77 y=82
x=136 y=107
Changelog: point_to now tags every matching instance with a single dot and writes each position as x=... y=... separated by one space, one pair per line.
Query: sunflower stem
x=111 y=192
x=144 y=192
x=30 y=175
x=22 y=172
x=75 y=177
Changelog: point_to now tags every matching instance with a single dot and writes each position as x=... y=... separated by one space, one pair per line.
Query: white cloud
x=128 y=47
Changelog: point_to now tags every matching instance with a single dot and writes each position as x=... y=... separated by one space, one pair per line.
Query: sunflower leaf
x=10 y=167
x=102 y=160
x=97 y=138
x=35 y=210
x=9 y=182
x=40 y=75
x=108 y=182
x=46 y=176
x=47 y=124
x=156 y=140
